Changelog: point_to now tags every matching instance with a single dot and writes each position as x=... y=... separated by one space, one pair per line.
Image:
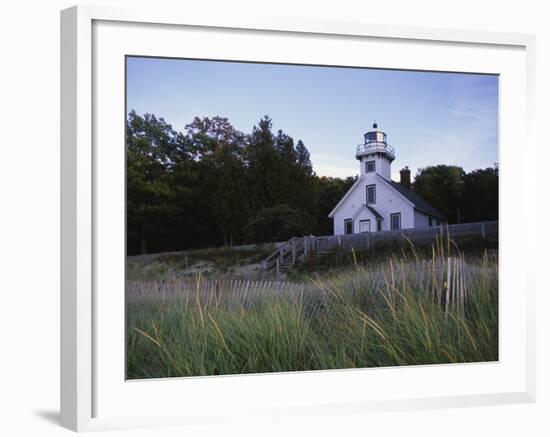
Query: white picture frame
x=86 y=373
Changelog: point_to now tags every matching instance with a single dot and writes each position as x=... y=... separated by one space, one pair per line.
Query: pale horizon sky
x=429 y=117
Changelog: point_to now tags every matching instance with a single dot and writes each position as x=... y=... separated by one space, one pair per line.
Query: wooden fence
x=450 y=280
x=288 y=253
x=488 y=230
x=208 y=291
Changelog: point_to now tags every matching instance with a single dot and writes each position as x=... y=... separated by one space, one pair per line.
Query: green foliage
x=330 y=191
x=442 y=187
x=480 y=199
x=212 y=185
x=222 y=169
x=152 y=145
x=462 y=197
x=354 y=325
x=278 y=223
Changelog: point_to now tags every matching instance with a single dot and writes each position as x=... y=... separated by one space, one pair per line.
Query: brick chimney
x=405 y=177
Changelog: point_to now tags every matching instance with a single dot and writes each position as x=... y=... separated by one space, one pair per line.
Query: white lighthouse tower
x=375 y=154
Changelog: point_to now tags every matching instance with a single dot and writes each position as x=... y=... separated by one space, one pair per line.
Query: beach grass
x=405 y=311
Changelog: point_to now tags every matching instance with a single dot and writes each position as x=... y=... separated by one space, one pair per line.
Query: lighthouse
x=375 y=155
x=375 y=202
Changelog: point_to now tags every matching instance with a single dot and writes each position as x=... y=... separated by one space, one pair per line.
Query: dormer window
x=370 y=166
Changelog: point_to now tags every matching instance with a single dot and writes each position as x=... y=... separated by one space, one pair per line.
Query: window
x=395 y=220
x=430 y=222
x=371 y=194
x=348 y=226
x=375 y=136
x=378 y=225
x=370 y=166
x=364 y=226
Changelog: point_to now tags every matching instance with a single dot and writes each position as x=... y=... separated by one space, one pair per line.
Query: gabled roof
x=368 y=208
x=374 y=212
x=357 y=182
x=419 y=203
x=409 y=195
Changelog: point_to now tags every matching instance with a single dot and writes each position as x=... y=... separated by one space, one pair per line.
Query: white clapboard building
x=375 y=202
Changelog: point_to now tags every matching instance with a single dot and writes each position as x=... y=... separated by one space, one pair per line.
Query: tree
x=330 y=191
x=152 y=147
x=460 y=196
x=219 y=149
x=212 y=185
x=263 y=173
x=442 y=187
x=304 y=190
x=303 y=159
x=480 y=198
x=278 y=223
x=279 y=173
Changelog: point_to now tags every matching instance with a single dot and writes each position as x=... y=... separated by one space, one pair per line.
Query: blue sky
x=430 y=118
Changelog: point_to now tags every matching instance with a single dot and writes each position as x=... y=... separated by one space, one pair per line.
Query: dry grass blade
x=143 y=333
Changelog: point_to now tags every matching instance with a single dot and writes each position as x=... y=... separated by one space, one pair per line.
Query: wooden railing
x=289 y=252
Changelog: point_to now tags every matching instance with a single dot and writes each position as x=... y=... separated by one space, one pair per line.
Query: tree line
x=213 y=185
x=460 y=196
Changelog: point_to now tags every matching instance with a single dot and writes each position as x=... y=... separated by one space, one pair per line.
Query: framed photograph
x=269 y=219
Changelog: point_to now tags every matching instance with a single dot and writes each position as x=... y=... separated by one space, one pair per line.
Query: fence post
x=293 y=251
x=305 y=246
x=339 y=240
x=483 y=230
x=441 y=231
x=448 y=294
x=277 y=267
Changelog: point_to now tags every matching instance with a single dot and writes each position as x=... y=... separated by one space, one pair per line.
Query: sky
x=430 y=118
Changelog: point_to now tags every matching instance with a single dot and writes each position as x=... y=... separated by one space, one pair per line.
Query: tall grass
x=406 y=311
x=173 y=265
